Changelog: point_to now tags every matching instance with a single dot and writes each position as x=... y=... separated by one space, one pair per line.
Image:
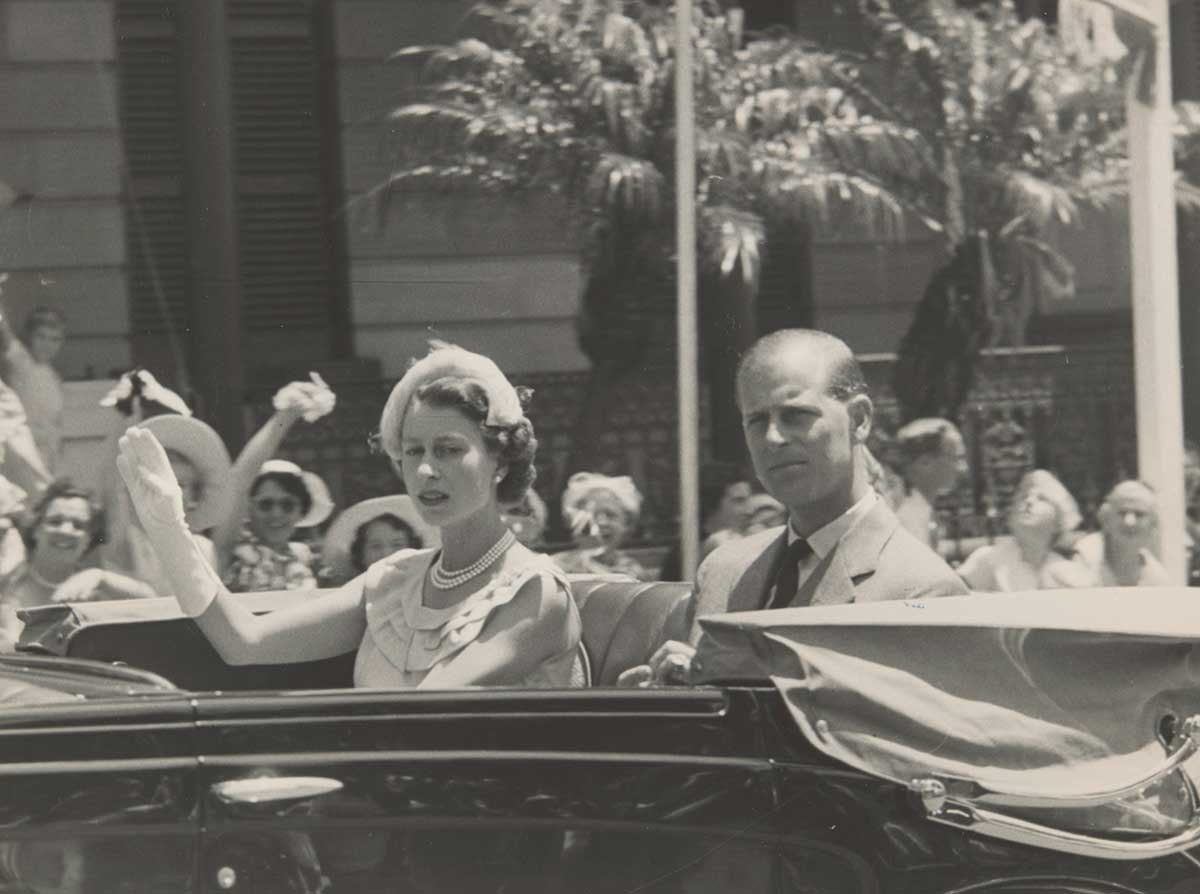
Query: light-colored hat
x=318 y=493
x=340 y=537
x=504 y=403
x=581 y=484
x=200 y=445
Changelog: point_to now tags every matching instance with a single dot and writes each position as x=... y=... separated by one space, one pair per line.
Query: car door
x=97 y=780
x=588 y=790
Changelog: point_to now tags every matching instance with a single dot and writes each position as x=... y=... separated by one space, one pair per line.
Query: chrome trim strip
x=98 y=766
x=969 y=818
x=68 y=729
x=460 y=715
x=444 y=756
x=967 y=790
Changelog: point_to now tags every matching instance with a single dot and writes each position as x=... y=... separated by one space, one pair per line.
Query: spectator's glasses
x=287 y=505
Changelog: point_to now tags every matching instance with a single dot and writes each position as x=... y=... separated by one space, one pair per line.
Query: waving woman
x=481 y=610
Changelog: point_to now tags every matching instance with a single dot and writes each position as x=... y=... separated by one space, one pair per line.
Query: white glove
x=158 y=502
x=151 y=481
x=313 y=398
x=123 y=390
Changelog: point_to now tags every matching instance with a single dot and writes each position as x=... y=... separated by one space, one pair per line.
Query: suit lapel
x=854 y=558
x=751 y=591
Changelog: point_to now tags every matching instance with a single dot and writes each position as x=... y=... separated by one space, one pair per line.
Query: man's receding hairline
x=834 y=354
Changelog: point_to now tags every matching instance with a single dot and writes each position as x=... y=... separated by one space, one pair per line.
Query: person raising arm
x=481 y=610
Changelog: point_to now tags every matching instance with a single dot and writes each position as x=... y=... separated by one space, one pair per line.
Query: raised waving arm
x=298 y=400
x=309 y=630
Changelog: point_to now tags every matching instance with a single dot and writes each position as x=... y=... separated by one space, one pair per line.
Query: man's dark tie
x=787 y=577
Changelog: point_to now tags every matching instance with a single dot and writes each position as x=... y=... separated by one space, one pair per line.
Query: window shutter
x=154 y=207
x=284 y=208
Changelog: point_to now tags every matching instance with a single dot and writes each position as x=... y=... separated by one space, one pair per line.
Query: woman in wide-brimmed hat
x=481 y=610
x=270 y=499
x=198 y=458
x=370 y=531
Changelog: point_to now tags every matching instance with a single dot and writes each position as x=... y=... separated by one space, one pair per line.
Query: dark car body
x=115 y=781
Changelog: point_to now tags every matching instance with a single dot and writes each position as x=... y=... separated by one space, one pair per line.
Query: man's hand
x=670 y=665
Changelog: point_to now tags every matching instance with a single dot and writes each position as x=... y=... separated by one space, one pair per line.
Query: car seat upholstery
x=624 y=621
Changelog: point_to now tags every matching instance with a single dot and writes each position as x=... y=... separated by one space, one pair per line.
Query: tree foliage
x=971 y=122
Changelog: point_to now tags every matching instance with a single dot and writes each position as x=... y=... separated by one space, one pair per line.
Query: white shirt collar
x=826 y=538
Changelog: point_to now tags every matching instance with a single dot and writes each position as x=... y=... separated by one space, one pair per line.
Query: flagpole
x=1156 y=351
x=686 y=318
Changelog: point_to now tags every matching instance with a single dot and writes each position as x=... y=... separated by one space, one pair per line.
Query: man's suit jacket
x=876 y=560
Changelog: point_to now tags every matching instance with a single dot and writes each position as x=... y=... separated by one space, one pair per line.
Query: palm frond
x=1024 y=194
x=1187 y=195
x=626 y=185
x=733 y=240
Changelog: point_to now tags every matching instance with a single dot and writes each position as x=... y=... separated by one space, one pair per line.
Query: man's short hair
x=845 y=375
x=1125 y=482
x=923 y=437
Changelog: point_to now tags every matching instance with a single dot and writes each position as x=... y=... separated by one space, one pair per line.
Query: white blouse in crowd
x=1000 y=568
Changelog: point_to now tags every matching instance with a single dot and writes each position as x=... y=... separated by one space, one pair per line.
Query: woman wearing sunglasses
x=481 y=610
x=272 y=499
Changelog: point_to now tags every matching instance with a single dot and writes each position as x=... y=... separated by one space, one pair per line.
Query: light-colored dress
x=1000 y=568
x=40 y=389
x=256 y=566
x=406 y=639
x=1089 y=550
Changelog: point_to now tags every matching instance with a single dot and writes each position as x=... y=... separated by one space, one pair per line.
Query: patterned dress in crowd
x=257 y=566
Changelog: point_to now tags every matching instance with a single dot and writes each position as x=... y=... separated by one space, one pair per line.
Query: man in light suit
x=806 y=417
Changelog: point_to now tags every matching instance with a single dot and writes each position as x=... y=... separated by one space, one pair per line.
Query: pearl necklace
x=445 y=580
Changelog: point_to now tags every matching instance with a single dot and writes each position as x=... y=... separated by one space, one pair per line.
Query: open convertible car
x=1025 y=743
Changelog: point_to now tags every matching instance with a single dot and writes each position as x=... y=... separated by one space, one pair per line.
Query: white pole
x=1156 y=350
x=686 y=320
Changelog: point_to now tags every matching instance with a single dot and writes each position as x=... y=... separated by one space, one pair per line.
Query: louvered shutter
x=155 y=214
x=284 y=208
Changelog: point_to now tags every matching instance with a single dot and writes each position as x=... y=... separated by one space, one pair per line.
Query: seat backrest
x=624 y=621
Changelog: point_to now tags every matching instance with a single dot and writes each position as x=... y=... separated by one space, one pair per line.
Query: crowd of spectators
x=264 y=523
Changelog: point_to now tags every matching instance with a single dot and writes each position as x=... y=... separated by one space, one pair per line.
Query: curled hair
x=1055 y=492
x=846 y=379
x=514 y=446
x=63 y=490
x=923 y=437
x=293 y=484
x=358 y=546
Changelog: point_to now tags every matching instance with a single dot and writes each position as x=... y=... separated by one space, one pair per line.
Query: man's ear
x=862 y=413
